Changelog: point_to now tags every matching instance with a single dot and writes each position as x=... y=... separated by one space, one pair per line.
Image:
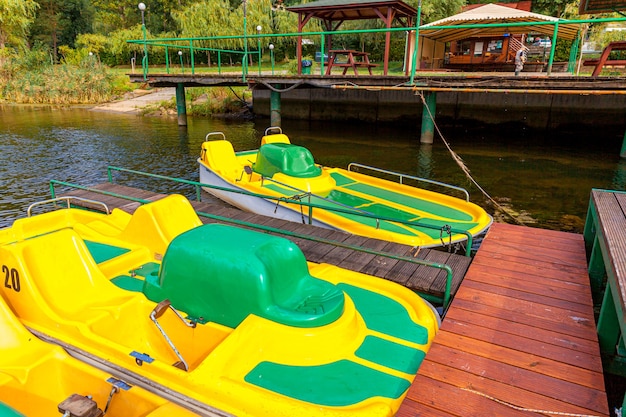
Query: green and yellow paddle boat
x=222 y=316
x=282 y=180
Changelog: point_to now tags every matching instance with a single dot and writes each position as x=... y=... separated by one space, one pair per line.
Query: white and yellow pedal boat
x=223 y=316
x=275 y=179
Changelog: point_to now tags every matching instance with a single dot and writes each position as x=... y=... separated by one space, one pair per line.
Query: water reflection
x=547 y=176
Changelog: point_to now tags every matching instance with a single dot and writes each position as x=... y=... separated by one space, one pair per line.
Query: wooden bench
x=605 y=242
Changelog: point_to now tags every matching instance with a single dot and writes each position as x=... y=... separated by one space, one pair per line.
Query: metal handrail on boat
x=309 y=194
x=402 y=176
x=67 y=199
x=198 y=188
x=445 y=300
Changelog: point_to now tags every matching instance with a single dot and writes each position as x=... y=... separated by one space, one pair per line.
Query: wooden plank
x=509 y=336
x=454 y=400
x=508 y=383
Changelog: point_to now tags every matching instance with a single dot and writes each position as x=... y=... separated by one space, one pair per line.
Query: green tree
x=16 y=17
x=59 y=22
x=554 y=8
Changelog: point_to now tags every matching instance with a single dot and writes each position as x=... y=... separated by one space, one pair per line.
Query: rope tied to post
x=461 y=164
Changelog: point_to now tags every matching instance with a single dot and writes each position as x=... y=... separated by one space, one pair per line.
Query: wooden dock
x=520 y=334
x=423 y=279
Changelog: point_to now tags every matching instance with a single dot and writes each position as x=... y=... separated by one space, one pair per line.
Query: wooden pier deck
x=420 y=278
x=520 y=334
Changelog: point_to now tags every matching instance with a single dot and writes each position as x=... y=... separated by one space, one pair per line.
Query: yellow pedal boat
x=278 y=177
x=40 y=379
x=222 y=316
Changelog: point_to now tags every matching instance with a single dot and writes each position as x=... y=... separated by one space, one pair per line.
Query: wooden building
x=489 y=48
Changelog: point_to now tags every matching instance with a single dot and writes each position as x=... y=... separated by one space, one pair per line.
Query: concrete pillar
x=428 y=122
x=275 y=119
x=181 y=104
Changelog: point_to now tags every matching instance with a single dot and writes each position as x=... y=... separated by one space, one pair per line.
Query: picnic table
x=354 y=59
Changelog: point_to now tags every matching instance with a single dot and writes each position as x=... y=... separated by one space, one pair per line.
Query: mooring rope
x=462 y=165
x=529 y=410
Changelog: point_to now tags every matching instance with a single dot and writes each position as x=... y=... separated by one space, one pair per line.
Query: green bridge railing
x=195 y=45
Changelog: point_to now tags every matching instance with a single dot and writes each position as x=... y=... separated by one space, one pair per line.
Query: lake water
x=544 y=176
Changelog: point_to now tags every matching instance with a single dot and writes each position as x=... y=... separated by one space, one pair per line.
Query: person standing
x=520 y=58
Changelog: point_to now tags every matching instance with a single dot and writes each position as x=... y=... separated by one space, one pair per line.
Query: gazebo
x=497 y=31
x=333 y=13
x=522 y=22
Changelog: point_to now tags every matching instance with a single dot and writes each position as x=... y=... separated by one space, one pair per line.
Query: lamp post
x=144 y=61
x=244 y=62
x=180 y=56
x=271 y=46
x=258 y=43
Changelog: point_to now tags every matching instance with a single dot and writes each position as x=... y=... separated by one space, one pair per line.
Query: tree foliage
x=15 y=18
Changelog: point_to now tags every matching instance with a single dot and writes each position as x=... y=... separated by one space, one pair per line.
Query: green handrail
x=418 y=28
x=445 y=300
x=311 y=206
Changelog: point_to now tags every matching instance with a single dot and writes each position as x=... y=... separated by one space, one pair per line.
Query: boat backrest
x=156 y=224
x=63 y=274
x=220 y=156
x=222 y=274
x=292 y=160
x=276 y=138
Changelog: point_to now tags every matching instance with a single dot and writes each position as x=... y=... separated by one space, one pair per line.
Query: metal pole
x=553 y=47
x=416 y=46
x=244 y=61
x=275 y=116
x=623 y=152
x=272 y=56
x=428 y=116
x=180 y=55
x=181 y=104
x=258 y=43
x=144 y=61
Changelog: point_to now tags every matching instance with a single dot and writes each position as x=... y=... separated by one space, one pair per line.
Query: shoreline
x=137 y=100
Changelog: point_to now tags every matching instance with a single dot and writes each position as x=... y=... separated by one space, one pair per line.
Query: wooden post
x=275 y=119
x=181 y=104
x=428 y=122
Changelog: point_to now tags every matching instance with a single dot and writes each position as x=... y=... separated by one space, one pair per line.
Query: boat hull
x=240 y=199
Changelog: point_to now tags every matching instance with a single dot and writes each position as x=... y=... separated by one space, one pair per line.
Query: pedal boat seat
x=222 y=274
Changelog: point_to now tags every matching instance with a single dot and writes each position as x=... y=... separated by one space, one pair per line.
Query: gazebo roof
x=353 y=9
x=493 y=14
x=601 y=6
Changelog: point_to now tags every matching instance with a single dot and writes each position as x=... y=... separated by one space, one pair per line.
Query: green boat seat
x=222 y=274
x=295 y=161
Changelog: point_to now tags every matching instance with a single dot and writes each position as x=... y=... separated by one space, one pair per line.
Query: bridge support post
x=623 y=152
x=428 y=121
x=181 y=104
x=275 y=119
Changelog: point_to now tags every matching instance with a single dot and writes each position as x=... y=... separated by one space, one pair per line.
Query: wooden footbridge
x=519 y=337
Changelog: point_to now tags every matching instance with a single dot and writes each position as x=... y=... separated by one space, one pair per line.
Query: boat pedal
x=80 y=406
x=118 y=383
x=180 y=365
x=140 y=358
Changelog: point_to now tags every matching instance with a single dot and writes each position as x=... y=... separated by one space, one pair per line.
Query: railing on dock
x=605 y=242
x=444 y=300
x=297 y=201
